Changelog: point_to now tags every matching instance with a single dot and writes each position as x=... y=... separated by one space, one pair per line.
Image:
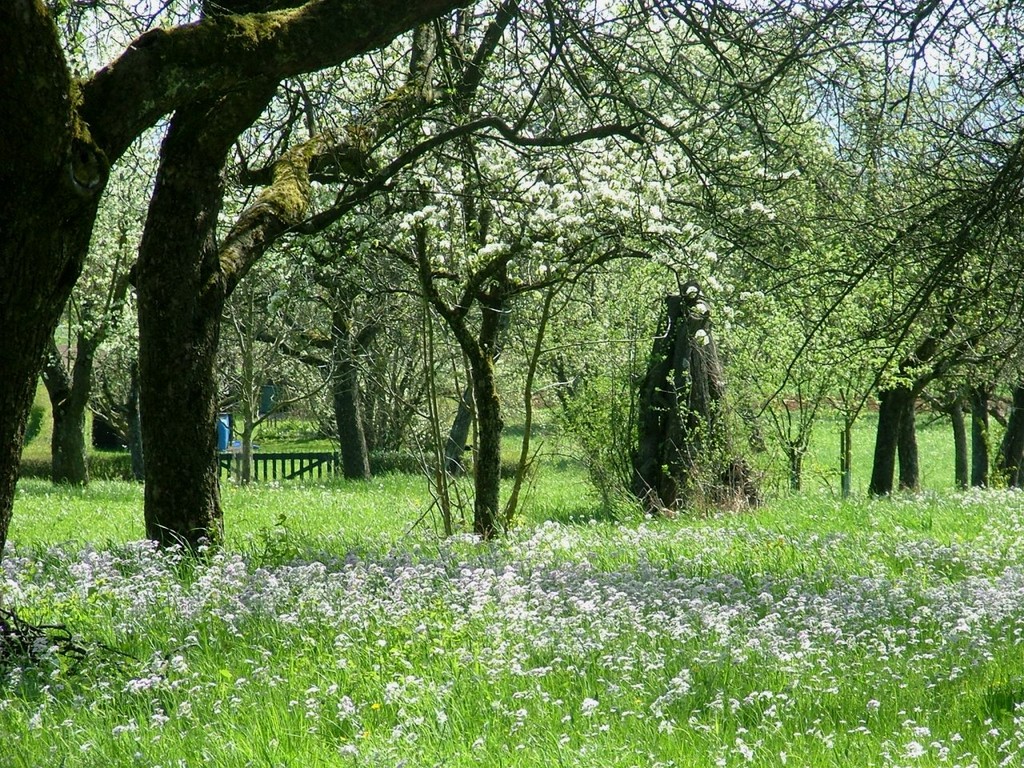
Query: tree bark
x=182 y=289
x=659 y=401
x=496 y=320
x=893 y=405
x=457 y=445
x=348 y=410
x=979 y=397
x=796 y=461
x=194 y=63
x=1011 y=450
x=489 y=423
x=846 y=458
x=69 y=400
x=683 y=452
x=906 y=449
x=52 y=174
x=487 y=467
x=134 y=431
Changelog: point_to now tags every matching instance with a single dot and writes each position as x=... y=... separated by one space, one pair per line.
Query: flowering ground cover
x=809 y=633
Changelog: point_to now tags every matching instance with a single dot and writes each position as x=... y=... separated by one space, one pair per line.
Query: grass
x=813 y=632
x=821 y=464
x=333 y=630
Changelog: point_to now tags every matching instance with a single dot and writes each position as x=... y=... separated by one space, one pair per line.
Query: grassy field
x=327 y=633
x=338 y=628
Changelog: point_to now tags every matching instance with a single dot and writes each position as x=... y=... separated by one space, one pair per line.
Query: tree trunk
x=893 y=406
x=182 y=291
x=355 y=457
x=906 y=449
x=134 y=432
x=657 y=412
x=457 y=445
x=69 y=399
x=796 y=460
x=960 y=462
x=348 y=410
x=244 y=457
x=489 y=425
x=979 y=437
x=846 y=459
x=683 y=452
x=68 y=463
x=51 y=176
x=496 y=321
x=487 y=467
x=1011 y=451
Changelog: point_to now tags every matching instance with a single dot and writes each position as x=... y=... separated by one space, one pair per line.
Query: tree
x=61 y=141
x=96 y=305
x=1011 y=450
x=684 y=453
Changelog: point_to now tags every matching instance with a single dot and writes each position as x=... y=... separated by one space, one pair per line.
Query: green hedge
x=102 y=466
x=388 y=462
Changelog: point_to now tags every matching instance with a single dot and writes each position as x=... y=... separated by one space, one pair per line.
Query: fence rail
x=280 y=466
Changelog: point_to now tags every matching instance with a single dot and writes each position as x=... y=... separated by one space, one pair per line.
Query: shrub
x=35 y=423
x=113 y=465
x=110 y=465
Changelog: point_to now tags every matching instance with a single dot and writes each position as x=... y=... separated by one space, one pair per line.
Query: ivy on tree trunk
x=684 y=455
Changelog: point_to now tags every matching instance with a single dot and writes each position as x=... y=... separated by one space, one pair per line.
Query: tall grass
x=327 y=633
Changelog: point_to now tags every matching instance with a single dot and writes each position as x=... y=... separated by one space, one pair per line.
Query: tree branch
x=164 y=69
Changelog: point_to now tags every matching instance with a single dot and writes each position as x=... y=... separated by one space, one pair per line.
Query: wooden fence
x=281 y=466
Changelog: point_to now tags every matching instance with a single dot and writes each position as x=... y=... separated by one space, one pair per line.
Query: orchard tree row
x=429 y=210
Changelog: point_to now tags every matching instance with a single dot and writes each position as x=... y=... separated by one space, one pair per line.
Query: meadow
x=812 y=632
x=332 y=631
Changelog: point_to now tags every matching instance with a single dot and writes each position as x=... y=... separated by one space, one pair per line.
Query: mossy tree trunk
x=182 y=289
x=489 y=423
x=487 y=466
x=495 y=322
x=51 y=174
x=659 y=420
x=684 y=453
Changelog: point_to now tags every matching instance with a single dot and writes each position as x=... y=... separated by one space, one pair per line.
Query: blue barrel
x=223 y=431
